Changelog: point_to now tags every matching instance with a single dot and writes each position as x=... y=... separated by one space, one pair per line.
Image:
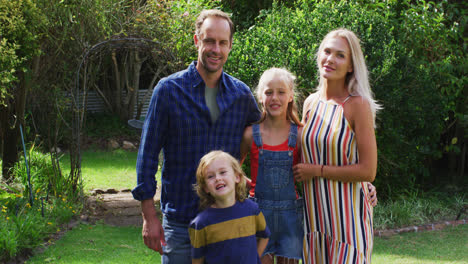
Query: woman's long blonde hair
x=357 y=80
x=206 y=199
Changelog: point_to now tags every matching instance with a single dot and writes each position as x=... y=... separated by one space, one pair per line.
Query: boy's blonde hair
x=206 y=199
x=289 y=79
x=358 y=79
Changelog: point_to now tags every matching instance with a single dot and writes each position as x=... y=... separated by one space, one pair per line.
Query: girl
x=230 y=229
x=339 y=155
x=273 y=151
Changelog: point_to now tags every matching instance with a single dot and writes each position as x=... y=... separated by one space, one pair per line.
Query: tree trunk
x=138 y=63
x=12 y=115
x=9 y=137
x=117 y=92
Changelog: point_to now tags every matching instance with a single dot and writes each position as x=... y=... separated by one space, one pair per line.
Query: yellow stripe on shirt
x=240 y=227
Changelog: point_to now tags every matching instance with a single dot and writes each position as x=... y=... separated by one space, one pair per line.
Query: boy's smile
x=220 y=182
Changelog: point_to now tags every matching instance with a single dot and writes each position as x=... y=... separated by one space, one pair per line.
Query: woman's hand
x=304 y=171
x=372 y=195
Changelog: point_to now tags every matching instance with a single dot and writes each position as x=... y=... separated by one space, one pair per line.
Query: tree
x=19 y=24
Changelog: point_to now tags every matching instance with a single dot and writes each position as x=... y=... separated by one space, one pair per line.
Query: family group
x=308 y=196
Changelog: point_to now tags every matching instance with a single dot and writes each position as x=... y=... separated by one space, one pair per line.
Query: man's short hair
x=213 y=13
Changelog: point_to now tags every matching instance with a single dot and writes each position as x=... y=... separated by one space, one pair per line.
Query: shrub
x=25 y=221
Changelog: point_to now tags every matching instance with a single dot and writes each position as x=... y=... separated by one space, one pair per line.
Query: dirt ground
x=114 y=207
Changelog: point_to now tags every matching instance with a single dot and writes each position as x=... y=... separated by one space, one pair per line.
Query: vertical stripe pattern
x=338 y=217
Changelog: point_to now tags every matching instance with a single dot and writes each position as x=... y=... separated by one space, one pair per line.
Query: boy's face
x=220 y=180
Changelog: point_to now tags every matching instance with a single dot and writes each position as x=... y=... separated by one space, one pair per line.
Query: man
x=191 y=113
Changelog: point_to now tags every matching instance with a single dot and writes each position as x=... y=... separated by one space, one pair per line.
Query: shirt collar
x=197 y=79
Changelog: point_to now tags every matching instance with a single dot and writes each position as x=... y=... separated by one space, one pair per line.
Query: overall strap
x=257 y=137
x=292 y=136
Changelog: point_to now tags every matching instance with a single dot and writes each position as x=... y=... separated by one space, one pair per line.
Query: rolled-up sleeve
x=152 y=141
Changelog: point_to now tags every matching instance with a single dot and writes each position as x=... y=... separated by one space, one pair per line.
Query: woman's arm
x=299 y=144
x=359 y=114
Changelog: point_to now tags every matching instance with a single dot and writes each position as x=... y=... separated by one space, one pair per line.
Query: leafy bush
x=19 y=21
x=44 y=177
x=414 y=208
x=23 y=226
x=27 y=216
x=409 y=127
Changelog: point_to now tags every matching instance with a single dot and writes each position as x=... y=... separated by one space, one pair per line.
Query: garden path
x=114 y=207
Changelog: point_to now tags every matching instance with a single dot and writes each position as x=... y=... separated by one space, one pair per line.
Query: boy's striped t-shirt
x=228 y=235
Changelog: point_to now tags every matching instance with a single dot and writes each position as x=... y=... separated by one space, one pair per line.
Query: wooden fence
x=95 y=104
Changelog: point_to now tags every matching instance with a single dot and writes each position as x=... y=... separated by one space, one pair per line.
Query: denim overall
x=276 y=197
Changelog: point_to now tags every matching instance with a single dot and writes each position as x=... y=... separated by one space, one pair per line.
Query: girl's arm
x=198 y=261
x=245 y=149
x=246 y=142
x=261 y=245
x=360 y=117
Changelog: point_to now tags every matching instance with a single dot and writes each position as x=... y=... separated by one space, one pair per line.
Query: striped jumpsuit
x=338 y=216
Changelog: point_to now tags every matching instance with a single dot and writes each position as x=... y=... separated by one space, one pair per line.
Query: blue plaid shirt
x=179 y=122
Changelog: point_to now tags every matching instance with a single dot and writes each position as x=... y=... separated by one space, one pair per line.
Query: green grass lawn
x=106 y=169
x=98 y=244
x=105 y=244
x=449 y=245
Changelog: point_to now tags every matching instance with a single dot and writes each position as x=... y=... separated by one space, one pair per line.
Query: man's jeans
x=177 y=250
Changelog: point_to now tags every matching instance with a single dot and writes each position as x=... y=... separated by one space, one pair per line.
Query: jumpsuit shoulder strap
x=292 y=136
x=346 y=99
x=257 y=137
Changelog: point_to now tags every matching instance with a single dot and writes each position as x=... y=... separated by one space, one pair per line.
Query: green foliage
x=417 y=208
x=26 y=221
x=70 y=29
x=40 y=168
x=8 y=60
x=102 y=125
x=410 y=126
x=24 y=225
x=44 y=177
x=436 y=35
x=245 y=12
x=172 y=23
x=19 y=22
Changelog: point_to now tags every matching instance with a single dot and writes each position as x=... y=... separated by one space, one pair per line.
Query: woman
x=339 y=155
